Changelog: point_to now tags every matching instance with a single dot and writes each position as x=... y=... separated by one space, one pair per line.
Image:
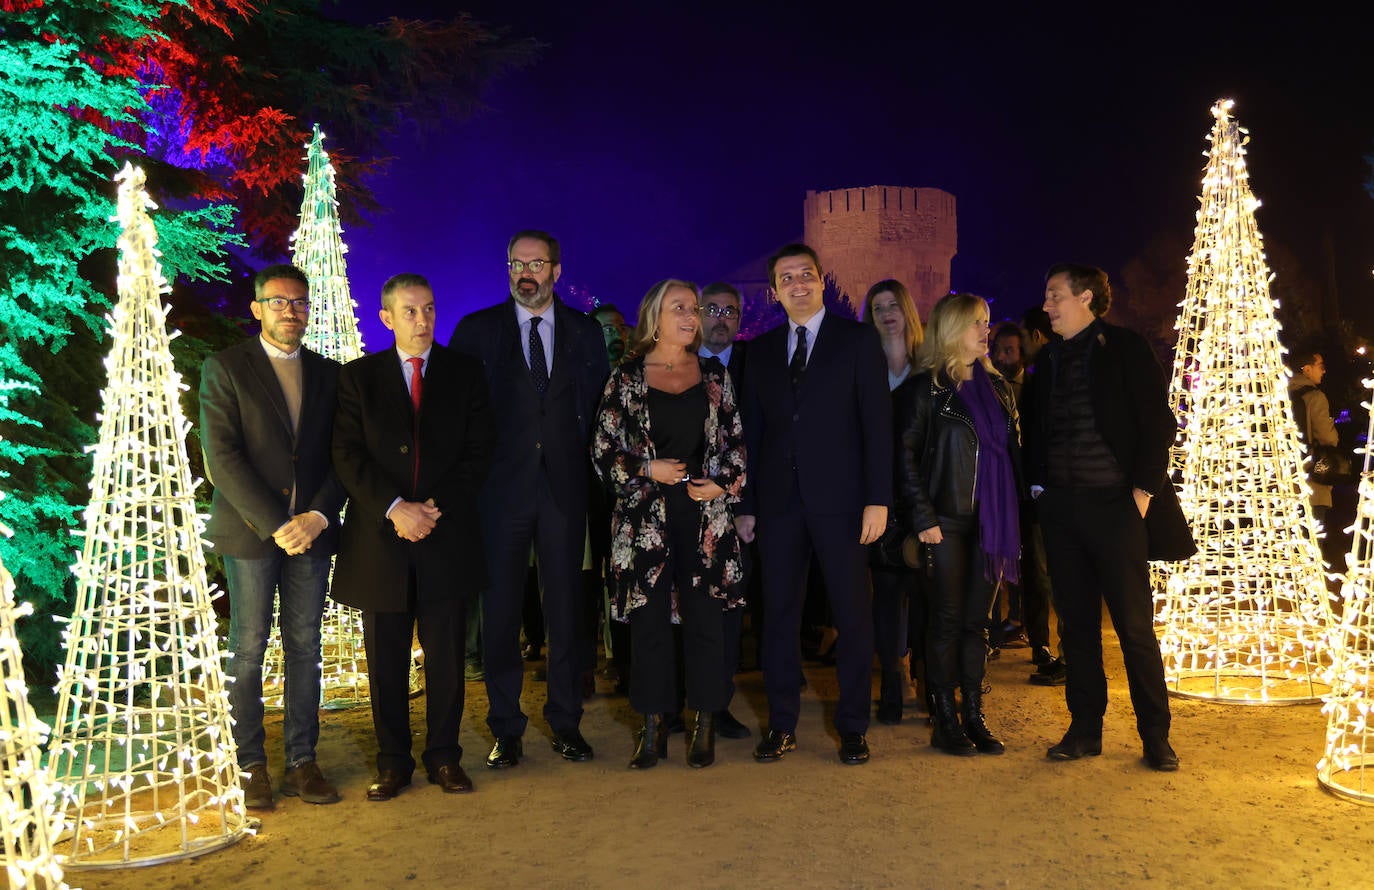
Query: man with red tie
x=412 y=445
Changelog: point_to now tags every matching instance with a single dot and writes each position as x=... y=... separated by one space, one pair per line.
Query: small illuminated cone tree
x=1347 y=766
x=1246 y=618
x=27 y=796
x=318 y=250
x=142 y=741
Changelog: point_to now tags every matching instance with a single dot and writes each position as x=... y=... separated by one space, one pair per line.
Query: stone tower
x=864 y=235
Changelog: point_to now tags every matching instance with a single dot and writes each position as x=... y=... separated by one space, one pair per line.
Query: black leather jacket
x=938 y=449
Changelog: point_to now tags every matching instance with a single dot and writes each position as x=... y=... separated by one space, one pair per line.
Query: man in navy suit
x=412 y=444
x=266 y=411
x=546 y=366
x=818 y=426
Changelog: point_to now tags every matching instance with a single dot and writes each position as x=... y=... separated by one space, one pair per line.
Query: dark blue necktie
x=798 y=363
x=539 y=367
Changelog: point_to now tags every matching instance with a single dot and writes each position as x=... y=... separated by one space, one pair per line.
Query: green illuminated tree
x=61 y=110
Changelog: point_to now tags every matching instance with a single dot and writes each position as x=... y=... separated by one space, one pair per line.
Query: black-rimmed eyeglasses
x=713 y=311
x=279 y=304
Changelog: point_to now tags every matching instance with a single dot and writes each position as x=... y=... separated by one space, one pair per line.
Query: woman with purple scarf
x=959 y=464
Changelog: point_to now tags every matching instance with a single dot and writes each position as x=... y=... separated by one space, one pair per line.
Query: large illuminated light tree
x=26 y=792
x=142 y=741
x=318 y=250
x=1347 y=767
x=1245 y=619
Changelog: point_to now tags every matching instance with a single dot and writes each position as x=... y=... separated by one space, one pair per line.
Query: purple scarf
x=999 y=519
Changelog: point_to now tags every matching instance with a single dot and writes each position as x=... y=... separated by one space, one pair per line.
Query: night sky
x=678 y=140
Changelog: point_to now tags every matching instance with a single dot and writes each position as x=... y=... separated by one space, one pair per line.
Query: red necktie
x=417 y=388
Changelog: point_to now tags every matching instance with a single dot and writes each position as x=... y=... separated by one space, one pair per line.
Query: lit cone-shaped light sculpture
x=1245 y=619
x=1347 y=766
x=27 y=796
x=141 y=742
x=318 y=251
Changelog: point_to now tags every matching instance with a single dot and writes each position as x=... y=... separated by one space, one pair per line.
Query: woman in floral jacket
x=670 y=446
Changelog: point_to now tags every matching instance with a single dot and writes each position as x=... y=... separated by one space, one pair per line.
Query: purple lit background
x=678 y=140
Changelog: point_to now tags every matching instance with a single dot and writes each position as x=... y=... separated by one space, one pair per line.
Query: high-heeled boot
x=975 y=726
x=651 y=742
x=701 y=750
x=948 y=735
x=890 y=689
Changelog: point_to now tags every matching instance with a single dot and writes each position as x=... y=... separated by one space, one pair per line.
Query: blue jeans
x=253 y=584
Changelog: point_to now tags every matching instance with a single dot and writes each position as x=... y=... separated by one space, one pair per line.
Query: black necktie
x=539 y=368
x=798 y=363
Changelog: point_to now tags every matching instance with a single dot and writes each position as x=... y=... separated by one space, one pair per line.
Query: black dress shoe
x=571 y=746
x=1074 y=746
x=387 y=785
x=774 y=745
x=727 y=727
x=451 y=778
x=1051 y=673
x=853 y=748
x=1160 y=755
x=506 y=752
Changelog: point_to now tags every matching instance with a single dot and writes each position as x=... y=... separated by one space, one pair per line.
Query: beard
x=531 y=294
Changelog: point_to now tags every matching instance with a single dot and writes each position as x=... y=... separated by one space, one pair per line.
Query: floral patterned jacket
x=621 y=450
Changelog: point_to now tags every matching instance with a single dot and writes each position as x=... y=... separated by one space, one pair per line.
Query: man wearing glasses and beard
x=546 y=365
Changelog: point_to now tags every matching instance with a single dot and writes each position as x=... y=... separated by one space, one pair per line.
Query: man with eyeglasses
x=721 y=307
x=614 y=330
x=266 y=416
x=546 y=365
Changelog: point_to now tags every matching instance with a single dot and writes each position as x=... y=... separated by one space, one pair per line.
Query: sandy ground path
x=1245 y=810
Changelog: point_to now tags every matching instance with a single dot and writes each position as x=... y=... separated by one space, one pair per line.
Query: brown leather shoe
x=387 y=785
x=451 y=778
x=257 y=787
x=309 y=784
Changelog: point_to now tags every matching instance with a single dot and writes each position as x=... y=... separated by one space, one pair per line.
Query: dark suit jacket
x=836 y=430
x=555 y=431
x=1130 y=399
x=253 y=456
x=373 y=452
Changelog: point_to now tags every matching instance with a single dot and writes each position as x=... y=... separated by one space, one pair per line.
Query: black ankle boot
x=975 y=727
x=651 y=742
x=948 y=735
x=701 y=749
x=890 y=698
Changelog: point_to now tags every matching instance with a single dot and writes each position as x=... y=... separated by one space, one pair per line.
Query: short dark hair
x=603 y=308
x=538 y=235
x=278 y=270
x=1306 y=354
x=722 y=287
x=1037 y=320
x=405 y=279
x=1007 y=329
x=790 y=250
x=1083 y=278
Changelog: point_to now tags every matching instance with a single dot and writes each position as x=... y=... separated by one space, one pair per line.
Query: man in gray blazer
x=266 y=414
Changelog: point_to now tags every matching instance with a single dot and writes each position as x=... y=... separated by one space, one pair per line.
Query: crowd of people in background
x=935 y=489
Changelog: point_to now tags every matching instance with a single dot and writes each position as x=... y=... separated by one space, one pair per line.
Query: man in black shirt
x=1098 y=444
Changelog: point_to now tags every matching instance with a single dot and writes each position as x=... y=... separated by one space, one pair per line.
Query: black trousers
x=557 y=537
x=441 y=618
x=786 y=542
x=894 y=591
x=1036 y=591
x=961 y=600
x=1096 y=544
x=653 y=683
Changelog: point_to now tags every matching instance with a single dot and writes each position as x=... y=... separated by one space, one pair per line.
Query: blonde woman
x=959 y=466
x=899 y=606
x=670 y=445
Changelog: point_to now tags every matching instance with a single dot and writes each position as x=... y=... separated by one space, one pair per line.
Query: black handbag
x=1330 y=465
x=897 y=548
